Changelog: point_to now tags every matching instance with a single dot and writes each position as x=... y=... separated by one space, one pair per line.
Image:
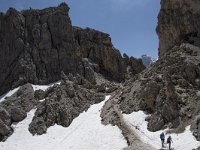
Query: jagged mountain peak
x=36 y=45
x=147 y=60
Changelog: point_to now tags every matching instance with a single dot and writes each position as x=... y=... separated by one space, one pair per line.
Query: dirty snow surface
x=35 y=87
x=85 y=133
x=44 y=87
x=183 y=141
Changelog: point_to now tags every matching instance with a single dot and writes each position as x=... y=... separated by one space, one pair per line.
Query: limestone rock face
x=36 y=45
x=178 y=20
x=168 y=90
x=97 y=47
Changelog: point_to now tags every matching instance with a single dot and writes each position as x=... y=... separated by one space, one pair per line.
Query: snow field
x=183 y=141
x=85 y=133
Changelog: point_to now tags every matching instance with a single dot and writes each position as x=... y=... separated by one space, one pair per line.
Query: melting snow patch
x=44 y=87
x=183 y=141
x=85 y=133
x=35 y=87
x=42 y=100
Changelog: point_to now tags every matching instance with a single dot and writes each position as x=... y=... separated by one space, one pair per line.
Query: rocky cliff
x=40 y=47
x=169 y=89
x=98 y=48
x=36 y=45
x=178 y=20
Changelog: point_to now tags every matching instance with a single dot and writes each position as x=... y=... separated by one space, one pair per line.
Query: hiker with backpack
x=162 y=138
x=169 y=141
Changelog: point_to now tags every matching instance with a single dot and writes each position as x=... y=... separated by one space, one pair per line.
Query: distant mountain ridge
x=147 y=60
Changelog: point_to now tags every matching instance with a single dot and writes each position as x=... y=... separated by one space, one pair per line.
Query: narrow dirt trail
x=111 y=114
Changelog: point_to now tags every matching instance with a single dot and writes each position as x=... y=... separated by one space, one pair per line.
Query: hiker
x=162 y=138
x=169 y=141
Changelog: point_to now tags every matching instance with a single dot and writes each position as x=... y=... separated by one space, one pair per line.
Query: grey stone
x=38 y=126
x=101 y=88
x=89 y=75
x=15 y=108
x=64 y=103
x=111 y=89
x=156 y=123
x=17 y=114
x=70 y=89
x=4 y=129
x=39 y=94
x=5 y=116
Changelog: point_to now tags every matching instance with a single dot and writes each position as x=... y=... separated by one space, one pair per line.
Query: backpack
x=169 y=140
x=162 y=136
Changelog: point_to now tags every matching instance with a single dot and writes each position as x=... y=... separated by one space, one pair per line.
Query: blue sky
x=130 y=23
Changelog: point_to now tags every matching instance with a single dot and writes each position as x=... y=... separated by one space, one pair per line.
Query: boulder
x=38 y=126
x=44 y=43
x=89 y=75
x=70 y=89
x=101 y=88
x=5 y=116
x=155 y=123
x=150 y=95
x=23 y=99
x=4 y=130
x=39 y=94
x=15 y=108
x=17 y=114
